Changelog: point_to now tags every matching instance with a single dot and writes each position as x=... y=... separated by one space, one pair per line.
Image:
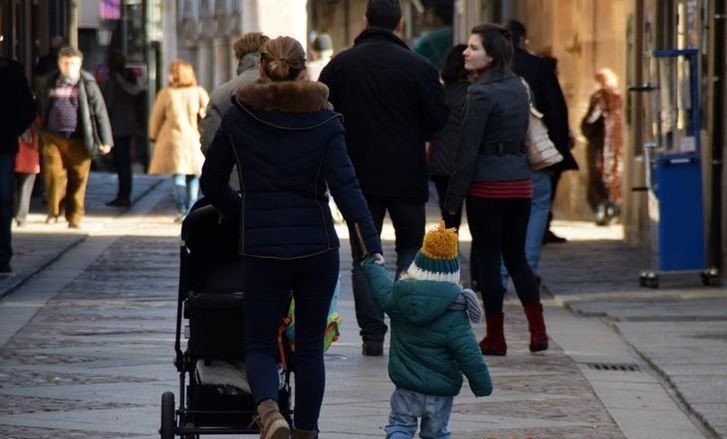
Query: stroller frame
x=191 y=422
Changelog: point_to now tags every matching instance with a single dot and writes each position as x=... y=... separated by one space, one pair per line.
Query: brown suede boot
x=302 y=434
x=536 y=324
x=272 y=424
x=494 y=341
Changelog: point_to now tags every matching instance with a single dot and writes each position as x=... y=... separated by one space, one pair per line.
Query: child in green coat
x=432 y=343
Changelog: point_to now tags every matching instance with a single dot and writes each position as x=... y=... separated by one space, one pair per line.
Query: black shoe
x=373 y=348
x=6 y=270
x=119 y=202
x=552 y=238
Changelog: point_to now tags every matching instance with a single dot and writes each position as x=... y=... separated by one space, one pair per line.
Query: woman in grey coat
x=492 y=172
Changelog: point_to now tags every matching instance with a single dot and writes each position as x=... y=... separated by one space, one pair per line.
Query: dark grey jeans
x=409 y=219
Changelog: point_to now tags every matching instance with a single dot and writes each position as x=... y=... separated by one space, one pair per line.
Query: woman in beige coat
x=173 y=130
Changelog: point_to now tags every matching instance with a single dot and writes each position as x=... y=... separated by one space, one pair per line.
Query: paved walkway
x=86 y=350
x=680 y=330
x=38 y=244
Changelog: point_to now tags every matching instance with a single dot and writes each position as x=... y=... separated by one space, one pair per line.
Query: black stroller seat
x=214 y=395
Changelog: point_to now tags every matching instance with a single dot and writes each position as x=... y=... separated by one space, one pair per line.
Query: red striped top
x=501 y=189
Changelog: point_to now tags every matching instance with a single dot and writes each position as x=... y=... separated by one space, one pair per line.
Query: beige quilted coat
x=174 y=132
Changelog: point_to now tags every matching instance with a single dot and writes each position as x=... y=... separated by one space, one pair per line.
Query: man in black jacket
x=392 y=103
x=548 y=96
x=16 y=113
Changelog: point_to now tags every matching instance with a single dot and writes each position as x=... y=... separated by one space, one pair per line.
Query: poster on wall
x=110 y=10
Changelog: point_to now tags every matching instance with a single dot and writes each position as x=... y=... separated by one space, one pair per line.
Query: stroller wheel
x=167 y=429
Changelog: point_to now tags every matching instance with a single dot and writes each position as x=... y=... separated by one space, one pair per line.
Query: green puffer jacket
x=431 y=344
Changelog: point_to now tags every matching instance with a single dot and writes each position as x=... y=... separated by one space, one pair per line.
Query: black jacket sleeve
x=434 y=107
x=554 y=108
x=476 y=113
x=26 y=109
x=216 y=175
x=96 y=101
x=343 y=184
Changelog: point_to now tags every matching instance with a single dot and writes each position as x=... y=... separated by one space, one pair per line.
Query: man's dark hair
x=497 y=43
x=453 y=70
x=518 y=30
x=70 y=52
x=444 y=9
x=383 y=13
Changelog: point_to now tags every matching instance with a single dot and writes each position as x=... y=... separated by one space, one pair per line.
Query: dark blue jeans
x=7 y=198
x=409 y=219
x=268 y=283
x=122 y=161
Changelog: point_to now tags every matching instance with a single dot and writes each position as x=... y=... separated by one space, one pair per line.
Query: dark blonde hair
x=249 y=43
x=182 y=74
x=282 y=59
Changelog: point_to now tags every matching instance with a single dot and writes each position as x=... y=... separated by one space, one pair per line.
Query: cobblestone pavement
x=95 y=359
x=38 y=244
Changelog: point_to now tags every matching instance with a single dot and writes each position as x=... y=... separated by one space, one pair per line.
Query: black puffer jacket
x=288 y=144
x=444 y=143
x=18 y=109
x=392 y=102
x=491 y=142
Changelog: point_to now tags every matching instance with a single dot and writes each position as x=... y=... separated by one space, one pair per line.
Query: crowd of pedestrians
x=370 y=127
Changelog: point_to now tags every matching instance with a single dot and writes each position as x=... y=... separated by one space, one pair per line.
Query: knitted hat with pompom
x=438 y=259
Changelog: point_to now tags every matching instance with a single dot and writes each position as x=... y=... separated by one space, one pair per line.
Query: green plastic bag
x=333 y=325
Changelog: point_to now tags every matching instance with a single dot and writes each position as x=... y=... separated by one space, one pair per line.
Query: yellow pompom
x=440 y=243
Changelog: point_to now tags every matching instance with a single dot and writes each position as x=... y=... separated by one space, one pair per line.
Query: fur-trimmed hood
x=287 y=105
x=286 y=96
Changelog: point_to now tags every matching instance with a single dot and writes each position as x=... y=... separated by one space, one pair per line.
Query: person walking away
x=392 y=103
x=125 y=100
x=173 y=130
x=432 y=343
x=492 y=172
x=75 y=128
x=27 y=165
x=602 y=126
x=288 y=242
x=548 y=99
x=247 y=52
x=321 y=54
x=442 y=148
x=435 y=43
x=17 y=112
x=48 y=63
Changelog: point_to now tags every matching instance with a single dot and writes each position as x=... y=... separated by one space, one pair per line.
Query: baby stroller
x=214 y=396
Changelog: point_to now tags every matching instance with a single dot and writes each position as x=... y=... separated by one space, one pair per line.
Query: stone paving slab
x=679 y=329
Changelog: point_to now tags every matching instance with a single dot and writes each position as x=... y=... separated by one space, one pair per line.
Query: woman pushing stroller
x=289 y=146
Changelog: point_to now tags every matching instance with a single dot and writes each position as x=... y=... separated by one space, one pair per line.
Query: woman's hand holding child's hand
x=376 y=258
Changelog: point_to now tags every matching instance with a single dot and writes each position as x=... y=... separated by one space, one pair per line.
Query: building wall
x=584 y=35
x=206 y=30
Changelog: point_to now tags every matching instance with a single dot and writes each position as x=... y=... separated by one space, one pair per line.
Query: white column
x=221 y=72
x=204 y=63
x=169 y=36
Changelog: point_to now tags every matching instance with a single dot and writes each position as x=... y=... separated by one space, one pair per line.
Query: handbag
x=542 y=152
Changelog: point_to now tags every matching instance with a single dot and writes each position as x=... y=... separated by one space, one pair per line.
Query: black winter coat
x=17 y=110
x=549 y=100
x=444 y=144
x=392 y=102
x=288 y=143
